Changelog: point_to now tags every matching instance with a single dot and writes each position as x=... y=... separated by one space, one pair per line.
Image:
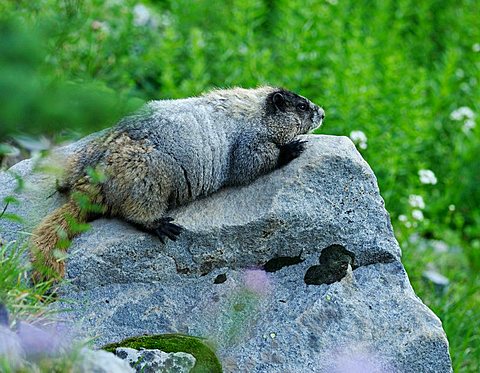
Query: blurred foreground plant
x=34 y=100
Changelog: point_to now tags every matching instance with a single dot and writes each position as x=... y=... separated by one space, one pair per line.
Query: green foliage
x=395 y=70
x=457 y=306
x=45 y=365
x=24 y=301
x=206 y=360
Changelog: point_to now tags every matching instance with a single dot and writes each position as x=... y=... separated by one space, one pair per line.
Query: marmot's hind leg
x=142 y=185
x=167 y=229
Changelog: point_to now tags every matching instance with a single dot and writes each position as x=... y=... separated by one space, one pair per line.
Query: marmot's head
x=283 y=114
x=288 y=115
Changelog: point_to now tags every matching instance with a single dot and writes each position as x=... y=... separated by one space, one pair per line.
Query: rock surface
x=237 y=275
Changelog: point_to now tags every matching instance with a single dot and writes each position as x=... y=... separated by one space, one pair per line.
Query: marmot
x=172 y=152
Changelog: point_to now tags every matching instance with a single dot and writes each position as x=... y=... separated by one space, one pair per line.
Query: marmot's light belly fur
x=173 y=152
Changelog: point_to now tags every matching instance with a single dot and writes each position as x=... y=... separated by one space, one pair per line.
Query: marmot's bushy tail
x=51 y=238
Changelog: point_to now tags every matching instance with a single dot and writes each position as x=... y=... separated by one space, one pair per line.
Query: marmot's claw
x=296 y=147
x=290 y=151
x=167 y=229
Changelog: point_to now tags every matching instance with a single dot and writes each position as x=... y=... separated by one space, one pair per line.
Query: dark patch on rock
x=336 y=253
x=334 y=261
x=209 y=264
x=220 y=279
x=278 y=263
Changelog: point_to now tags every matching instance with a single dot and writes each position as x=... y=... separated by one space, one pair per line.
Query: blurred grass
x=395 y=70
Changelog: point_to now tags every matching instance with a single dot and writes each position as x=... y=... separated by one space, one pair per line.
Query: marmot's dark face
x=289 y=115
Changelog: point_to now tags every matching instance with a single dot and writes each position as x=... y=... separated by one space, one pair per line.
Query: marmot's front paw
x=167 y=229
x=290 y=151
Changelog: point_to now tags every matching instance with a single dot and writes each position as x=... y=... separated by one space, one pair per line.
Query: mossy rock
x=206 y=360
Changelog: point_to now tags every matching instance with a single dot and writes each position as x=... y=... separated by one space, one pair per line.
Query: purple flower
x=257 y=281
x=358 y=362
x=42 y=341
x=10 y=347
x=31 y=341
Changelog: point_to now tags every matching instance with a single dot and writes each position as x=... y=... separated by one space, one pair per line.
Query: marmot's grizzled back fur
x=174 y=151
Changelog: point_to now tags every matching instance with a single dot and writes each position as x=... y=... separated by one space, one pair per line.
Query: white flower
x=165 y=19
x=141 y=15
x=468 y=125
x=466 y=115
x=465 y=87
x=332 y=2
x=416 y=201
x=427 y=177
x=476 y=47
x=359 y=138
x=462 y=113
x=243 y=49
x=415 y=239
x=439 y=246
x=417 y=215
x=451 y=207
x=402 y=218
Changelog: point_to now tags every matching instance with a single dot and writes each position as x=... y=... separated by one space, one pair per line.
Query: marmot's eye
x=302 y=106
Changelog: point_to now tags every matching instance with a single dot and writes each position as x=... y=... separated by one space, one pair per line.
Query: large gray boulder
x=297 y=272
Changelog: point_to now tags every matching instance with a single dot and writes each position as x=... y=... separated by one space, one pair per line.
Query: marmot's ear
x=279 y=101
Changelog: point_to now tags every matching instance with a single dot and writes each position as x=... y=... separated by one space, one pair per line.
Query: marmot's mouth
x=318 y=118
x=315 y=125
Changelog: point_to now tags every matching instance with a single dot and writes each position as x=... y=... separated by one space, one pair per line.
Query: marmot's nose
x=321 y=113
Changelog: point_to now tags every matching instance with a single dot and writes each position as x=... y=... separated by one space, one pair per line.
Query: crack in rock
x=278 y=263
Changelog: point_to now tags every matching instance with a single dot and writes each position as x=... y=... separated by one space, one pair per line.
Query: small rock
x=156 y=361
x=101 y=362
